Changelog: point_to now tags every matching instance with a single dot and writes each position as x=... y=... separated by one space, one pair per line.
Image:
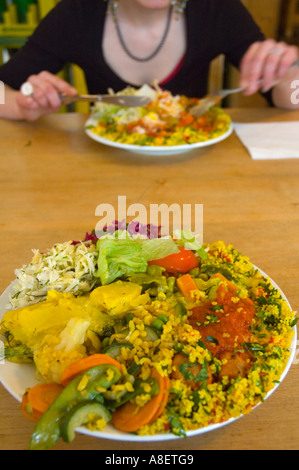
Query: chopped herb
x=254 y=347
x=176 y=425
x=211 y=339
x=216 y=308
x=202 y=376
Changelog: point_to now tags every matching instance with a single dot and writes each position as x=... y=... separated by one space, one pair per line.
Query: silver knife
x=27 y=89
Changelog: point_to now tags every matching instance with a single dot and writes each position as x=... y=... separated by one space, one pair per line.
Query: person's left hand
x=264 y=63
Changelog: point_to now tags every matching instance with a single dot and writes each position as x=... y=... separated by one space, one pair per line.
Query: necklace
x=113 y=8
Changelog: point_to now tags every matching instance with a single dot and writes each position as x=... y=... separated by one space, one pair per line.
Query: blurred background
x=278 y=19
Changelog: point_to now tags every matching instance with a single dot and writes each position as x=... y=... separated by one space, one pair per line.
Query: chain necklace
x=113 y=8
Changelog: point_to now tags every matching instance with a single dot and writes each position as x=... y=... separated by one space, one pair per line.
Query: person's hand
x=265 y=63
x=45 y=98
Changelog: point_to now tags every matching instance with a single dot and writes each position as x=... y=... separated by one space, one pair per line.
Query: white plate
x=17 y=377
x=155 y=150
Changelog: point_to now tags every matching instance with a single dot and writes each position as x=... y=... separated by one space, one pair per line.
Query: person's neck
x=133 y=12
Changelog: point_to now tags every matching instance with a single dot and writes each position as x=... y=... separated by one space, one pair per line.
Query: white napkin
x=274 y=140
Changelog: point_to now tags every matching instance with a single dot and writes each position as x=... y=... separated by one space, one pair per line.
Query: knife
x=27 y=89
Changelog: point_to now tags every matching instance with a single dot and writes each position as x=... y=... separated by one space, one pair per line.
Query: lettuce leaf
x=157 y=248
x=119 y=257
x=188 y=239
x=124 y=256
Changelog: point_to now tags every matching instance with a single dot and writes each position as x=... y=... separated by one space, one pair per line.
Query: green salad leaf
x=157 y=248
x=122 y=255
x=188 y=240
x=118 y=257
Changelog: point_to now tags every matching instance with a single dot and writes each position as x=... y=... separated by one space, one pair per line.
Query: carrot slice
x=164 y=400
x=232 y=288
x=130 y=417
x=37 y=399
x=41 y=396
x=78 y=367
x=186 y=285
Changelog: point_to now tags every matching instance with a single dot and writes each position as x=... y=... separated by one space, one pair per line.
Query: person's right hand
x=45 y=98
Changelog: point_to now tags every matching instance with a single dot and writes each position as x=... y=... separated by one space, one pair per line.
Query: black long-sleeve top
x=72 y=33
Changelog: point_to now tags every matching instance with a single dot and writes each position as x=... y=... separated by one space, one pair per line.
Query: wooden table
x=52 y=179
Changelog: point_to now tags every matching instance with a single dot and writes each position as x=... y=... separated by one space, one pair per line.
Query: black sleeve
x=49 y=48
x=238 y=30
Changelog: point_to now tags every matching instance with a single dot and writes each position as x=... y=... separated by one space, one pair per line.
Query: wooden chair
x=14 y=34
x=291 y=18
x=216 y=74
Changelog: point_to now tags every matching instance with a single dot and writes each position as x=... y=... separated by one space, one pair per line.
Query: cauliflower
x=57 y=352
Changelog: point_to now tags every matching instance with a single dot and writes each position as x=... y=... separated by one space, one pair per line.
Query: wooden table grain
x=52 y=179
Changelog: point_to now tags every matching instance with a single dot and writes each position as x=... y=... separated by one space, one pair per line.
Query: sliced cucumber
x=133 y=368
x=180 y=310
x=151 y=334
x=81 y=414
x=114 y=349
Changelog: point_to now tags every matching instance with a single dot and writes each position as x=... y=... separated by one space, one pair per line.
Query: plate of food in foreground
x=136 y=339
x=163 y=127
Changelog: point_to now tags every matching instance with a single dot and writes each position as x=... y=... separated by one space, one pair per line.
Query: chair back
x=216 y=74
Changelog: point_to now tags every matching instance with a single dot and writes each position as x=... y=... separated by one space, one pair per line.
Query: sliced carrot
x=179 y=359
x=164 y=400
x=27 y=410
x=78 y=367
x=186 y=285
x=37 y=399
x=186 y=120
x=42 y=395
x=232 y=288
x=130 y=417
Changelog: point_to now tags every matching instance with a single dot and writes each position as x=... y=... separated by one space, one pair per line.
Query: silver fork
x=211 y=100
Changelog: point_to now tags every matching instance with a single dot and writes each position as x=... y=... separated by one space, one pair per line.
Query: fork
x=211 y=100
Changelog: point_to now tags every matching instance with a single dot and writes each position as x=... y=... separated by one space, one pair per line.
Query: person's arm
x=53 y=44
x=268 y=64
x=45 y=99
x=9 y=109
x=286 y=94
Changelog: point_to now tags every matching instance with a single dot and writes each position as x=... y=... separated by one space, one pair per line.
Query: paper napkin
x=275 y=140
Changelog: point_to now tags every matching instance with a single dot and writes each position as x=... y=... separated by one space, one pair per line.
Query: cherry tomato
x=178 y=262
